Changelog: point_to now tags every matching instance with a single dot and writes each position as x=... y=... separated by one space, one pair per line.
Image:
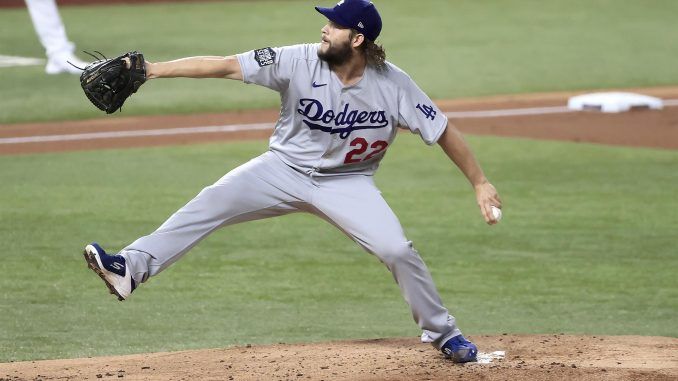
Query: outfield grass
x=587 y=245
x=451 y=48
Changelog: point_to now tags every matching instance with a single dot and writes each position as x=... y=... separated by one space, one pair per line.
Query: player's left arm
x=456 y=148
x=196 y=67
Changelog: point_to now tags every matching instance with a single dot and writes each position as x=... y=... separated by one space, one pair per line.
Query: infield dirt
x=533 y=357
x=528 y=357
x=638 y=128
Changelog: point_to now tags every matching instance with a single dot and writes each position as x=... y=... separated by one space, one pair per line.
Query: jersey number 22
x=377 y=147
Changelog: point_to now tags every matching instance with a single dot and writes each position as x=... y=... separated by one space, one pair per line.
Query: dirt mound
x=527 y=357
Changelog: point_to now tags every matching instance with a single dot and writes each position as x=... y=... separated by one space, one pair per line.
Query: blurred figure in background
x=52 y=34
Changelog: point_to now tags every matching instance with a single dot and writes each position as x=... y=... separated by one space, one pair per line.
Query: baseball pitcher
x=341 y=106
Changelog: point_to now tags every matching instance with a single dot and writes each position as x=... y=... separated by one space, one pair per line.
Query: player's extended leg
x=355 y=205
x=52 y=34
x=263 y=187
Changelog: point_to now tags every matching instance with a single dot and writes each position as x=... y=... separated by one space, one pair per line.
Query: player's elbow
x=231 y=68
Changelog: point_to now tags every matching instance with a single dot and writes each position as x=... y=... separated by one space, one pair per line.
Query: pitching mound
x=527 y=357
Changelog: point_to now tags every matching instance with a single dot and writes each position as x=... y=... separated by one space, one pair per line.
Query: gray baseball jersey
x=326 y=128
x=327 y=142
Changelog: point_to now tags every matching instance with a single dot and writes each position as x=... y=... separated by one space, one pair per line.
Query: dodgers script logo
x=344 y=121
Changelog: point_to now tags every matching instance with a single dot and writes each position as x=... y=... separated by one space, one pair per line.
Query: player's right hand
x=486 y=196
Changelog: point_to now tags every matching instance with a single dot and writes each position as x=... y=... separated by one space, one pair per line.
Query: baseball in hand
x=496 y=212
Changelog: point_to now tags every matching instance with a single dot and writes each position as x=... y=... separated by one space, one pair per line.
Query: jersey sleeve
x=271 y=67
x=419 y=114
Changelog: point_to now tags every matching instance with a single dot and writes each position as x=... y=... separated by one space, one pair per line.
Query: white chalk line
x=137 y=133
x=269 y=126
x=509 y=112
x=9 y=61
x=527 y=111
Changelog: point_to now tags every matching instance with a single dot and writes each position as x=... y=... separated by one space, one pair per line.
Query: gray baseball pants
x=267 y=187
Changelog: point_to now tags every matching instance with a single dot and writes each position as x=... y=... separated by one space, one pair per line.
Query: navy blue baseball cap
x=360 y=15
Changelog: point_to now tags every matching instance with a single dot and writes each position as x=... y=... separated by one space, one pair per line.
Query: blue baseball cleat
x=111 y=269
x=460 y=350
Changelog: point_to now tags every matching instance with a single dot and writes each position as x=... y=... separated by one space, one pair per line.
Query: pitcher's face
x=335 y=46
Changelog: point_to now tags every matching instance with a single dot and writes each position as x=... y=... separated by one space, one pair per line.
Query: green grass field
x=452 y=48
x=587 y=245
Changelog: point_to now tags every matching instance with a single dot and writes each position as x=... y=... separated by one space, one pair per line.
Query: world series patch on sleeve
x=264 y=57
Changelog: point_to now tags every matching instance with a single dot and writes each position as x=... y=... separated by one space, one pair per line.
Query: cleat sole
x=92 y=264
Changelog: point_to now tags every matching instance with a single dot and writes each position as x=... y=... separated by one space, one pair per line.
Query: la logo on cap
x=360 y=25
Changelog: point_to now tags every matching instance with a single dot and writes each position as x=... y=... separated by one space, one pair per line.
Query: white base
x=613 y=102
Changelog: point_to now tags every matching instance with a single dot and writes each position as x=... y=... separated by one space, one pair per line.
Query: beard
x=336 y=55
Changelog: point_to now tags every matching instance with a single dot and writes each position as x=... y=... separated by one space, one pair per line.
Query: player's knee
x=394 y=252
